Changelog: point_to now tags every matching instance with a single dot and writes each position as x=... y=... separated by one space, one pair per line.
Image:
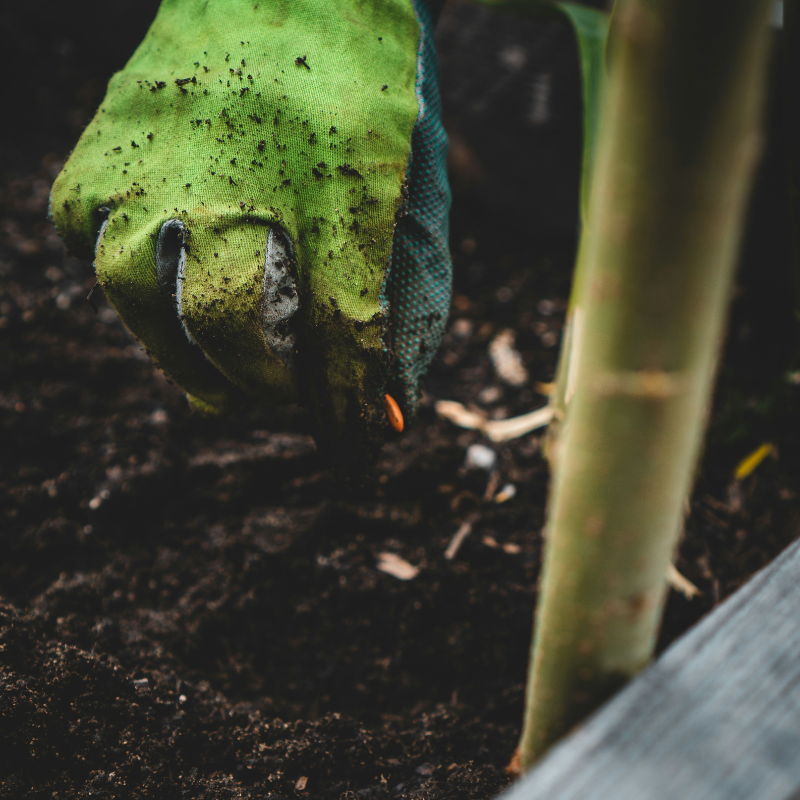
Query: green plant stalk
x=680 y=136
x=590 y=27
x=592 y=39
x=560 y=395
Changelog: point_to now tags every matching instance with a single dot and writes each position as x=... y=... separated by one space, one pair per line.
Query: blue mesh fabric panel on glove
x=419 y=283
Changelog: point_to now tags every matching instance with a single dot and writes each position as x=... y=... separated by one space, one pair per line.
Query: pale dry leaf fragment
x=507 y=361
x=463 y=531
x=460 y=415
x=491 y=486
x=497 y=430
x=504 y=429
x=397 y=567
x=681 y=584
x=301 y=783
x=507 y=547
x=506 y=493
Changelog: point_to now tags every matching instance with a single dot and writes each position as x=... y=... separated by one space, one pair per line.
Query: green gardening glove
x=264 y=193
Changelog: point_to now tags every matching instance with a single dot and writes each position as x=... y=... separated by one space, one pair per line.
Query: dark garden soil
x=190 y=609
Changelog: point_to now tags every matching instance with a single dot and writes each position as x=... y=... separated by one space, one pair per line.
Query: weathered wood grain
x=717 y=717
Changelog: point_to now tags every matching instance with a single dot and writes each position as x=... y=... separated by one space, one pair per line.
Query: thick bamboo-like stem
x=679 y=140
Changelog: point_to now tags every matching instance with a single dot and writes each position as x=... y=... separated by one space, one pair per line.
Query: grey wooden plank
x=717 y=717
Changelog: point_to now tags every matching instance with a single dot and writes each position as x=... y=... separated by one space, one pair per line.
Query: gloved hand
x=264 y=193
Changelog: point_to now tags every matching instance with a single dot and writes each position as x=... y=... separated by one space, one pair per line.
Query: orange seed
x=393 y=413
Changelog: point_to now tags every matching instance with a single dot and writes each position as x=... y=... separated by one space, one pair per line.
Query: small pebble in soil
x=479 y=456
